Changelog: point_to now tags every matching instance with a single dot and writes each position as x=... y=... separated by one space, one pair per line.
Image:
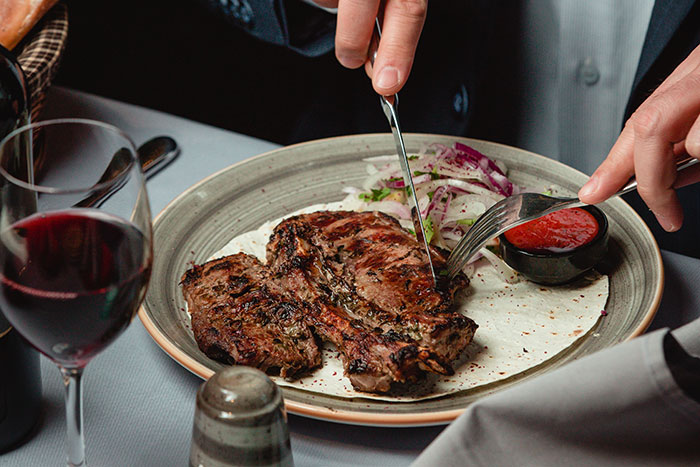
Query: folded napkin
x=41 y=53
x=632 y=404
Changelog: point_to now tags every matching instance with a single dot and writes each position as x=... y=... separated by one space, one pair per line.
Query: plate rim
x=386 y=419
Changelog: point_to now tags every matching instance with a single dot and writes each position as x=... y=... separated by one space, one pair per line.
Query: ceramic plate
x=240 y=198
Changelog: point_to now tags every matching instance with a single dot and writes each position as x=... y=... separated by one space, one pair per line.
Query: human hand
x=401 y=28
x=664 y=127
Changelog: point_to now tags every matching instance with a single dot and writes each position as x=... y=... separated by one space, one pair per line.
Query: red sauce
x=556 y=232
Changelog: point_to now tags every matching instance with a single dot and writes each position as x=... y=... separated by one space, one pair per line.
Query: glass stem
x=75 y=443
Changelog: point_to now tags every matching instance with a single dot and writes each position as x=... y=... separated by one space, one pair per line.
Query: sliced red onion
x=374 y=180
x=480 y=157
x=395 y=183
x=491 y=170
x=393 y=208
x=507 y=274
x=418 y=179
x=385 y=158
x=437 y=196
x=449 y=234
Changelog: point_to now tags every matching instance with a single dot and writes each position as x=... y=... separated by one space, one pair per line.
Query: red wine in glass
x=75 y=246
x=76 y=283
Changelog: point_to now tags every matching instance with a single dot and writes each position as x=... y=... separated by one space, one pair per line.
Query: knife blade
x=390 y=107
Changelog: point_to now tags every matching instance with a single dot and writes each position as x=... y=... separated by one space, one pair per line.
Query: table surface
x=139 y=403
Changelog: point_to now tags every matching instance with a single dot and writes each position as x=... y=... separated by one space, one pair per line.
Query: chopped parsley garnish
x=492 y=248
x=433 y=173
x=375 y=195
x=411 y=158
x=428 y=226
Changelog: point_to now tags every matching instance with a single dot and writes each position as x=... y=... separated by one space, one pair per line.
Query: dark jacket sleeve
x=673 y=34
x=289 y=23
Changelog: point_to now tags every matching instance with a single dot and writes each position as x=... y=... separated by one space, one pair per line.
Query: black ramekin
x=552 y=268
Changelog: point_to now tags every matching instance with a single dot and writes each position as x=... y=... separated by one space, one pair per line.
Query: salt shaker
x=240 y=420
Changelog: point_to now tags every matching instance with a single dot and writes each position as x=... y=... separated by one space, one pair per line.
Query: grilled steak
x=372 y=358
x=377 y=271
x=241 y=316
x=383 y=275
x=356 y=280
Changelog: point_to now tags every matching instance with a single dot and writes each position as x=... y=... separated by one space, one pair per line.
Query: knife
x=389 y=106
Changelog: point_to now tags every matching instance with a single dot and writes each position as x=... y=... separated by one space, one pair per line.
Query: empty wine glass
x=75 y=245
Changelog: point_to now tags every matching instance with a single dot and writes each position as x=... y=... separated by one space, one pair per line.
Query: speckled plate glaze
x=240 y=198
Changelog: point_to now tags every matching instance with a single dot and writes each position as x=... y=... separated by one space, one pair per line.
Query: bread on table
x=18 y=17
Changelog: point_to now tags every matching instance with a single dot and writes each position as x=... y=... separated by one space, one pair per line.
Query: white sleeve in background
x=578 y=62
x=618 y=407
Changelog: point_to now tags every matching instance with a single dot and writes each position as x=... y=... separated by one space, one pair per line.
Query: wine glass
x=75 y=245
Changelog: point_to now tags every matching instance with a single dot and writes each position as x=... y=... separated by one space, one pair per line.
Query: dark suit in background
x=188 y=60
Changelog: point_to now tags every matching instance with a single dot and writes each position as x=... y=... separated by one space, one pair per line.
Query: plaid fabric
x=39 y=54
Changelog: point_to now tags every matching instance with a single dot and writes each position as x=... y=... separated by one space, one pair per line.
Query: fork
x=518 y=209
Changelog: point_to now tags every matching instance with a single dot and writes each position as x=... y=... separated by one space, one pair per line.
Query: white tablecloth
x=139 y=403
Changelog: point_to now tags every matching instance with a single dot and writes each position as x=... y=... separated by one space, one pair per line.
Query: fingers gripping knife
x=389 y=106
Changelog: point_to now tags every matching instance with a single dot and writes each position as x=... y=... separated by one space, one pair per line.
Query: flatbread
x=521 y=326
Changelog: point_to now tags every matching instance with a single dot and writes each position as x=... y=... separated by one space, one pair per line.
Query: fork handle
x=681 y=165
